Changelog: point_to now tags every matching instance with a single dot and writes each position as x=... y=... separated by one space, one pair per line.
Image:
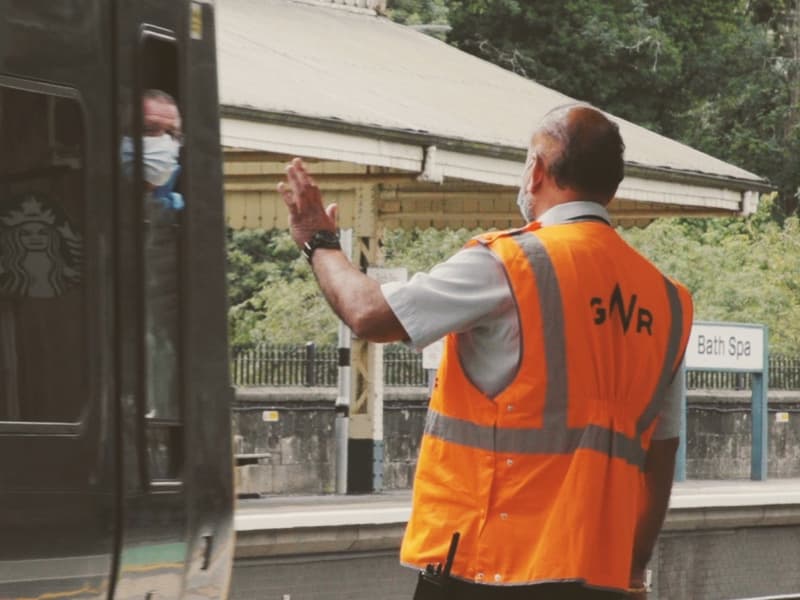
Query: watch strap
x=320 y=239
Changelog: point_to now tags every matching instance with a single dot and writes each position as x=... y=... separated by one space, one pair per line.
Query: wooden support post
x=365 y=436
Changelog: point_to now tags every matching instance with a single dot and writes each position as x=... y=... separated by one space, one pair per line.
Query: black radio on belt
x=434 y=583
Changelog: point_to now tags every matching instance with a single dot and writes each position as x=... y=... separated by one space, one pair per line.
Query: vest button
x=479 y=577
x=498 y=577
x=504 y=516
x=510 y=407
x=509 y=461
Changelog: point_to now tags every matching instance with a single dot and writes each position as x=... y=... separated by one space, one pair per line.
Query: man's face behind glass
x=160 y=117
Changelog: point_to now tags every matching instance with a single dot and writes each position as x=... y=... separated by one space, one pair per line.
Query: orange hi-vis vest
x=544 y=481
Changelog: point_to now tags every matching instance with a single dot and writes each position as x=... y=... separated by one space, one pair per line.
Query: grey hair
x=156 y=94
x=587 y=151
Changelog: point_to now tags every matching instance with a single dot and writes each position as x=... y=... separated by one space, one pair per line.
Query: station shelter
x=402 y=130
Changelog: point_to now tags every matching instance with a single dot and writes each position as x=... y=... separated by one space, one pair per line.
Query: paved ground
x=282 y=512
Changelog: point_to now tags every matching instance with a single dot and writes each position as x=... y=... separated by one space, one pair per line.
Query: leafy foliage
x=273 y=294
x=614 y=54
x=421 y=249
x=742 y=270
x=417 y=12
x=738 y=270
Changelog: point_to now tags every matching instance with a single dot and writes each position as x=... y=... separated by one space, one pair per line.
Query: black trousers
x=543 y=591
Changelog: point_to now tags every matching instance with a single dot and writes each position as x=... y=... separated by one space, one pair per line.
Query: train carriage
x=115 y=462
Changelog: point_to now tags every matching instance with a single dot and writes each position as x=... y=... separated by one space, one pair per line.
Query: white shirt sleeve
x=454 y=296
x=669 y=419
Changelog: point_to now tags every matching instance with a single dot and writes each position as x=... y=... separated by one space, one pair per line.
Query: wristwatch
x=321 y=239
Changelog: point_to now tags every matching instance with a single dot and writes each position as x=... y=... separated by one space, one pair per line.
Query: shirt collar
x=574 y=211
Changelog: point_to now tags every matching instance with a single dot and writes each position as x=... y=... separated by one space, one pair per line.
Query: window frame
x=77 y=427
x=165 y=36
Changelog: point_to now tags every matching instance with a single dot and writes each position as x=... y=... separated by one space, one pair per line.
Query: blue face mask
x=159 y=158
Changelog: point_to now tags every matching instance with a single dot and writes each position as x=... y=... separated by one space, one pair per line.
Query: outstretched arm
x=354 y=297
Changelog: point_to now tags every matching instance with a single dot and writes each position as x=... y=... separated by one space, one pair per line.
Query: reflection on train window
x=163 y=444
x=162 y=309
x=163 y=209
x=43 y=358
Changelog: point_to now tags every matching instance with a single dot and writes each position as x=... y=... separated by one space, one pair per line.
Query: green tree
x=273 y=295
x=418 y=12
x=421 y=249
x=275 y=298
x=741 y=270
x=613 y=54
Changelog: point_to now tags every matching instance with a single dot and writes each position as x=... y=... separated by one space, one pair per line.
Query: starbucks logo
x=41 y=255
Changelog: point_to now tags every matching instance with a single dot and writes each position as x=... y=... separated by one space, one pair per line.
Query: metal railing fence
x=783 y=373
x=271 y=365
x=275 y=365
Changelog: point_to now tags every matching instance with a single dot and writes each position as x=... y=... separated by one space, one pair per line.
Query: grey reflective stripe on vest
x=535 y=441
x=552 y=315
x=670 y=357
x=554 y=437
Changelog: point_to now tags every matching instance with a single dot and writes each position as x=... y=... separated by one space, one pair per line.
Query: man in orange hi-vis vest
x=550 y=439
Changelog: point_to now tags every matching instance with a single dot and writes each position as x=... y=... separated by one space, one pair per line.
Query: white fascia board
x=268 y=137
x=483 y=169
x=509 y=173
x=314 y=143
x=680 y=194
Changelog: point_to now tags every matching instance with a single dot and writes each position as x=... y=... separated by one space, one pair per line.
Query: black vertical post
x=311 y=351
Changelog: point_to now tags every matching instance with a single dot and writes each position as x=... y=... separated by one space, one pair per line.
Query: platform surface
x=289 y=512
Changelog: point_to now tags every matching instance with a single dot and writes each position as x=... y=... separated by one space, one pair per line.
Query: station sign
x=726 y=346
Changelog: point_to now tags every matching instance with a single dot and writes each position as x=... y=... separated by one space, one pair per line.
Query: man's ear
x=537 y=175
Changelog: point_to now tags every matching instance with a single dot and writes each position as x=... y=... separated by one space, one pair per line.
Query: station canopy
x=435 y=136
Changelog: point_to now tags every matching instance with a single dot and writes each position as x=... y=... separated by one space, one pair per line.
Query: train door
x=58 y=469
x=175 y=536
x=153 y=530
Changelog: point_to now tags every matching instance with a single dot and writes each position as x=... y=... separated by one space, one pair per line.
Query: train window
x=43 y=305
x=163 y=209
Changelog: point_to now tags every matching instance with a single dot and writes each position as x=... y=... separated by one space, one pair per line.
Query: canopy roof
x=348 y=85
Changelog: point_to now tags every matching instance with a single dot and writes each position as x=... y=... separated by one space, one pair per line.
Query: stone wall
x=287 y=436
x=718 y=435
